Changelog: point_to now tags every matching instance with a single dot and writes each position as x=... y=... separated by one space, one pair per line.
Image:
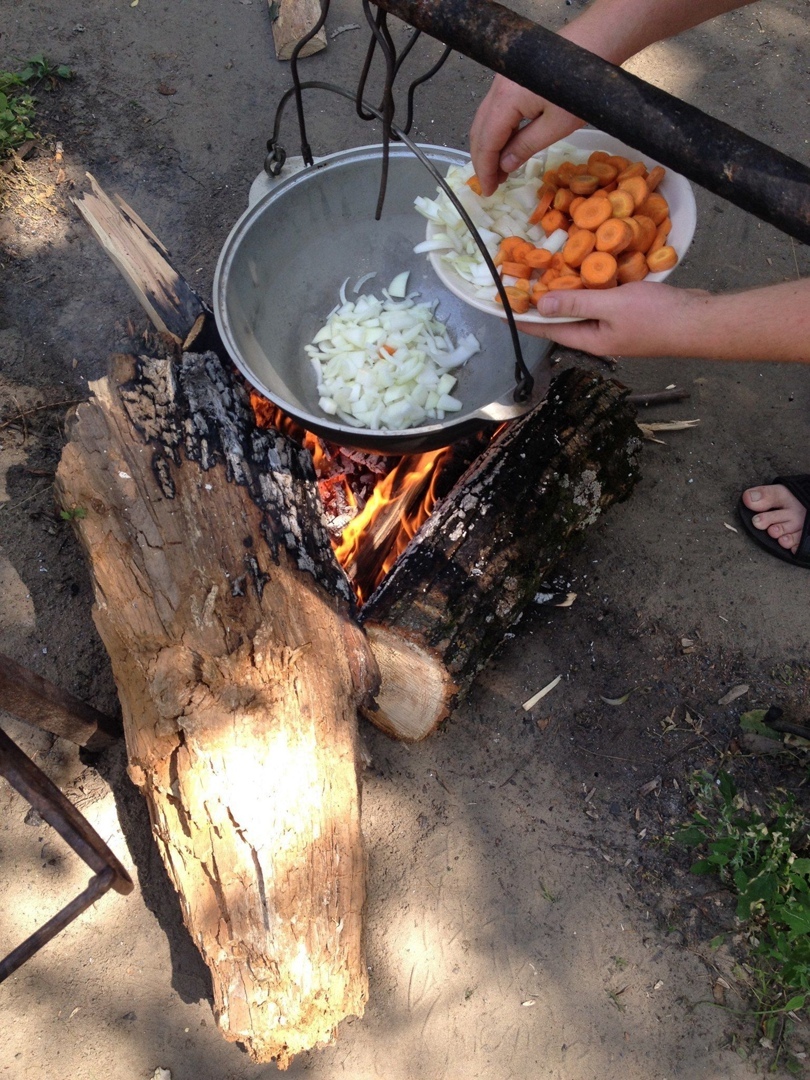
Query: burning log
x=240 y=669
x=468 y=575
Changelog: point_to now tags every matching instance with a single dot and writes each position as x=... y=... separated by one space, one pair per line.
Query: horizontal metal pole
x=715 y=155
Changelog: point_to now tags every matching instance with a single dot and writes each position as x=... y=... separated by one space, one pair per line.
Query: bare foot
x=778 y=512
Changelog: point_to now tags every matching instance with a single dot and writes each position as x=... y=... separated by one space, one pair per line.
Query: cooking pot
x=281 y=269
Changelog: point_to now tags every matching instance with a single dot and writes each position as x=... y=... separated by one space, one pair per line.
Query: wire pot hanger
x=384 y=113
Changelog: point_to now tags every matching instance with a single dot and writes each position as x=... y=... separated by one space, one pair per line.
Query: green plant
x=17 y=105
x=761 y=861
x=76 y=513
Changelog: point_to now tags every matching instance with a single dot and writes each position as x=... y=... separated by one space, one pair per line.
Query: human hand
x=641 y=318
x=499 y=145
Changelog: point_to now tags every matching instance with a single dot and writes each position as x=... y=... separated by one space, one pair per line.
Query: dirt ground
x=526 y=916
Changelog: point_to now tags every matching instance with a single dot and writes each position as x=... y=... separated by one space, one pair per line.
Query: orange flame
x=399 y=505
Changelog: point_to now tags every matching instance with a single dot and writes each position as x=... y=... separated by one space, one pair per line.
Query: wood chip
x=652 y=785
x=532 y=701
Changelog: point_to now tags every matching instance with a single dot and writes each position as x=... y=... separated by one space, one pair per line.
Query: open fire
x=374 y=504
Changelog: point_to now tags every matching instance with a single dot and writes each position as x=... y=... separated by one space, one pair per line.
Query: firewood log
x=469 y=574
x=293 y=20
x=239 y=668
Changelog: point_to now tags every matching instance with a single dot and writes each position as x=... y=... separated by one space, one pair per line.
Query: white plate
x=675 y=188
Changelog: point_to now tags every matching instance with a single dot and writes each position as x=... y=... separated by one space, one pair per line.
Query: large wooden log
x=239 y=668
x=468 y=575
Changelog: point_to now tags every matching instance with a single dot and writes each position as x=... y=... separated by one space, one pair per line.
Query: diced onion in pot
x=385 y=363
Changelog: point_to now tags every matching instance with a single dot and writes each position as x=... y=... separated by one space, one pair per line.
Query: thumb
x=569 y=304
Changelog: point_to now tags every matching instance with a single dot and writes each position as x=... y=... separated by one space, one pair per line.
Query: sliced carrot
x=559 y=263
x=632 y=266
x=521 y=251
x=647 y=231
x=516 y=270
x=655 y=206
x=584 y=184
x=566 y=281
x=622 y=203
x=601 y=193
x=592 y=212
x=578 y=201
x=663 y=259
x=539 y=258
x=538 y=288
x=597 y=155
x=604 y=172
x=613 y=236
x=545 y=197
x=661 y=236
x=573 y=229
x=550 y=177
x=548 y=275
x=519 y=299
x=638 y=168
x=618 y=162
x=598 y=270
x=563 y=199
x=552 y=221
x=565 y=170
x=475 y=184
x=655 y=176
x=524 y=284
x=580 y=168
x=579 y=245
x=637 y=187
x=507 y=246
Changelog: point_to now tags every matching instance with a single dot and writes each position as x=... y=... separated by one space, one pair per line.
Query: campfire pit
x=242 y=654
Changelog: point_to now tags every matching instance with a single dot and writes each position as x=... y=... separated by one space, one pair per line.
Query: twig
x=658 y=397
x=28 y=498
x=38 y=408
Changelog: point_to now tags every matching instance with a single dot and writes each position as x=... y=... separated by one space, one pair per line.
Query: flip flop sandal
x=800 y=487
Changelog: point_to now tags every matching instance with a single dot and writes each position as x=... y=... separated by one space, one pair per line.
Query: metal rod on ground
x=715 y=155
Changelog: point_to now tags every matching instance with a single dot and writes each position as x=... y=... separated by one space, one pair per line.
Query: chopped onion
x=361 y=281
x=399 y=286
x=385 y=363
x=505 y=213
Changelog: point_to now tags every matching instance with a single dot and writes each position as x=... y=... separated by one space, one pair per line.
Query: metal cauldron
x=279 y=275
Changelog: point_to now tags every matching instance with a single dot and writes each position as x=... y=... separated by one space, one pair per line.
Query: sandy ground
x=526 y=915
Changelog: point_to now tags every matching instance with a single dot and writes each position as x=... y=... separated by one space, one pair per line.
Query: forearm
x=771 y=323
x=618 y=29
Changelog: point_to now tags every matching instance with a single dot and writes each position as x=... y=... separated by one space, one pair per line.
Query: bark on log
x=240 y=668
x=292 y=20
x=468 y=575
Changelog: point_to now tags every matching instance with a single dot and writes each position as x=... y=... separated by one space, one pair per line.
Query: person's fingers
x=552 y=125
x=499 y=116
x=571 y=304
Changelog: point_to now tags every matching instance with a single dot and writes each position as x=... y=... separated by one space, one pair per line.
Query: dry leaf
x=652 y=785
x=733 y=694
x=541 y=693
x=617 y=700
